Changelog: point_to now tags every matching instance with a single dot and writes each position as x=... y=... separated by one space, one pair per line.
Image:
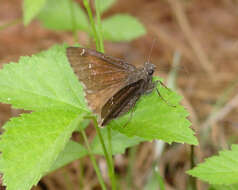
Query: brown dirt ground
x=206 y=35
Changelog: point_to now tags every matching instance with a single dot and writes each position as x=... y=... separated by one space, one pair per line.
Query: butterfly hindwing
x=121 y=102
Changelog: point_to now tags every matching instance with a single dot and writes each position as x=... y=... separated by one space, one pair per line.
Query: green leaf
x=222 y=169
x=63 y=15
x=41 y=82
x=119 y=142
x=122 y=27
x=153 y=118
x=31 y=9
x=105 y=5
x=224 y=187
x=72 y=151
x=31 y=143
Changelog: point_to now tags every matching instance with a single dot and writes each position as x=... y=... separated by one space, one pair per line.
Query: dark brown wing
x=121 y=102
x=101 y=75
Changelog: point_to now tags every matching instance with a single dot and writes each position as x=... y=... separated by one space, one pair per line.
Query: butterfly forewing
x=102 y=76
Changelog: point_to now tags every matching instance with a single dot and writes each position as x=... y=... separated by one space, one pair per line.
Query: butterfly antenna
x=151 y=48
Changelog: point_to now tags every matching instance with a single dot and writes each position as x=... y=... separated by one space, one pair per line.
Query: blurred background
x=195 y=49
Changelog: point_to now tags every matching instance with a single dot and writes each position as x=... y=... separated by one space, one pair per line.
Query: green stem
x=108 y=160
x=11 y=23
x=90 y=152
x=98 y=15
x=73 y=20
x=90 y=15
x=159 y=178
x=109 y=135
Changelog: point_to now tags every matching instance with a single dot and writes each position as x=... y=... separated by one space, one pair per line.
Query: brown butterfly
x=112 y=85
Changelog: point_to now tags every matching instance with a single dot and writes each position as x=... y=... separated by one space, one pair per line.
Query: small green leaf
x=75 y=150
x=105 y=4
x=119 y=142
x=153 y=118
x=72 y=151
x=41 y=82
x=31 y=143
x=222 y=169
x=31 y=9
x=63 y=15
x=122 y=27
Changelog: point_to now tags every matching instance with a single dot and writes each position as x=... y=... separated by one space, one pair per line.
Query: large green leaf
x=222 y=169
x=63 y=15
x=119 y=142
x=31 y=143
x=31 y=9
x=153 y=118
x=41 y=82
x=122 y=27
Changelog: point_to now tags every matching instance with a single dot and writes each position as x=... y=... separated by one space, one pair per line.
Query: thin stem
x=108 y=160
x=73 y=20
x=90 y=15
x=90 y=152
x=109 y=135
x=159 y=178
x=11 y=23
x=192 y=164
x=98 y=15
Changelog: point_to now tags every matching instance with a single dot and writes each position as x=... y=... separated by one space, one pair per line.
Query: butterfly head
x=149 y=68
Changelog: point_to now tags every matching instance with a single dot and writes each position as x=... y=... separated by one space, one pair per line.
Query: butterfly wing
x=101 y=75
x=122 y=101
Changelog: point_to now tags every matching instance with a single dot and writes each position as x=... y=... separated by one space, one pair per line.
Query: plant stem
x=74 y=29
x=90 y=15
x=98 y=14
x=109 y=135
x=100 y=179
x=192 y=164
x=108 y=160
x=11 y=23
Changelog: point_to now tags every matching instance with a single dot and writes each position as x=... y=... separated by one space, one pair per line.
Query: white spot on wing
x=89 y=91
x=83 y=51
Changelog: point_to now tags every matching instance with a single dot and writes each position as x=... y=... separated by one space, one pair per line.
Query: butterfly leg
x=158 y=92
